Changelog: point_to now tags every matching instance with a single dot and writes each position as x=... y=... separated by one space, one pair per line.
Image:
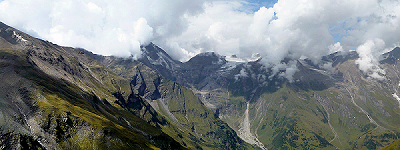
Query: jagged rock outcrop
x=200 y=128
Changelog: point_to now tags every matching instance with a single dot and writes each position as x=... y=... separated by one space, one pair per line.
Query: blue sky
x=265 y=3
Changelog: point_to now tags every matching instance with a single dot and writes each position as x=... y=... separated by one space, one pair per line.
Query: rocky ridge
x=57 y=97
x=327 y=105
x=178 y=104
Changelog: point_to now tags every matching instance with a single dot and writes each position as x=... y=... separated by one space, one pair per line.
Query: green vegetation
x=190 y=122
x=394 y=146
x=293 y=118
x=291 y=122
x=80 y=119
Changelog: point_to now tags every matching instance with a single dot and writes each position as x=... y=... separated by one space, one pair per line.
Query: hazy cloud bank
x=289 y=28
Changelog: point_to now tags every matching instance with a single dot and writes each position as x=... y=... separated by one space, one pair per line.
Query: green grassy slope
x=191 y=122
x=356 y=113
x=393 y=146
x=292 y=118
x=69 y=117
x=66 y=111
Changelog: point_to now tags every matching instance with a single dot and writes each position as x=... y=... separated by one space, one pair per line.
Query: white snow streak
x=397 y=98
x=20 y=38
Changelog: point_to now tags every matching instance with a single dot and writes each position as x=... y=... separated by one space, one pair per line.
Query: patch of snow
x=220 y=61
x=230 y=65
x=127 y=122
x=167 y=59
x=302 y=57
x=163 y=60
x=20 y=38
x=397 y=98
x=254 y=57
x=234 y=59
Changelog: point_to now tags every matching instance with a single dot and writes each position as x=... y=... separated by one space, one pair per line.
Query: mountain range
x=322 y=107
x=56 y=97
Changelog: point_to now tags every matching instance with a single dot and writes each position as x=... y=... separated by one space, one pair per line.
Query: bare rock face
x=176 y=103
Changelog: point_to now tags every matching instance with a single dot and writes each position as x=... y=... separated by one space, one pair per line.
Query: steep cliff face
x=57 y=97
x=327 y=105
x=191 y=122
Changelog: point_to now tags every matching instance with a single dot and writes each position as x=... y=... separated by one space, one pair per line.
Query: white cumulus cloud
x=287 y=29
x=368 y=62
x=104 y=27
